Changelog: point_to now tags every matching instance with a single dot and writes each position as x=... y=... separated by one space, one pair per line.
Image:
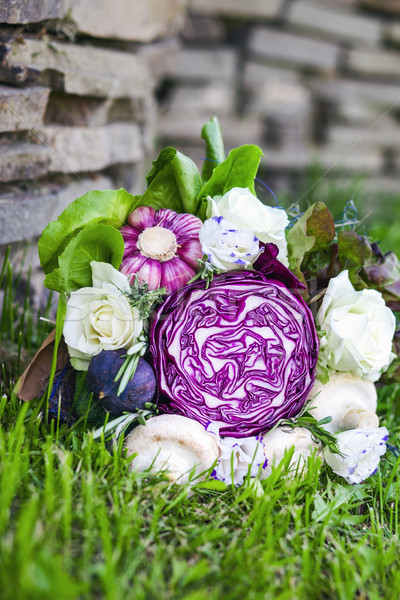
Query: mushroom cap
x=280 y=440
x=343 y=392
x=174 y=444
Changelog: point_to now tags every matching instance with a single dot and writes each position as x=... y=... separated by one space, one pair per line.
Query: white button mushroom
x=349 y=400
x=280 y=440
x=173 y=444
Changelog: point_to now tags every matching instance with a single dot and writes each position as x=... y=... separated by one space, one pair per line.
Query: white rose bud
x=360 y=450
x=358 y=327
x=226 y=246
x=246 y=211
x=100 y=317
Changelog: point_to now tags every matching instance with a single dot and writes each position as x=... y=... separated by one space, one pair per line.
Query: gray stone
x=160 y=57
x=238 y=8
x=26 y=11
x=375 y=63
x=22 y=109
x=71 y=150
x=131 y=20
x=77 y=149
x=207 y=65
x=74 y=69
x=392 y=33
x=25 y=213
x=293 y=49
x=334 y=22
x=136 y=20
x=385 y=135
x=379 y=95
x=390 y=6
x=257 y=74
x=205 y=99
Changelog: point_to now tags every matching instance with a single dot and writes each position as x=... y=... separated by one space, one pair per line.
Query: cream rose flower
x=246 y=211
x=358 y=327
x=360 y=453
x=100 y=317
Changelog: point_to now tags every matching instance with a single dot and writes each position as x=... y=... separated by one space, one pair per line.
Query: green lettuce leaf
x=215 y=151
x=313 y=231
x=239 y=169
x=102 y=243
x=174 y=182
x=110 y=207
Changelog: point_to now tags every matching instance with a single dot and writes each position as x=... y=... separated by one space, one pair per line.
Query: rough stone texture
x=380 y=63
x=206 y=65
x=238 y=8
x=294 y=49
x=133 y=20
x=74 y=69
x=334 y=22
x=25 y=213
x=22 y=109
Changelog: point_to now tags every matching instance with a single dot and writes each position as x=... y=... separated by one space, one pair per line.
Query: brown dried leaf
x=34 y=379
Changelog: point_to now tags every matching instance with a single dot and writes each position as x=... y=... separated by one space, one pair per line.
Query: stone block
x=293 y=49
x=71 y=150
x=389 y=6
x=374 y=63
x=25 y=213
x=205 y=99
x=203 y=29
x=77 y=149
x=26 y=11
x=131 y=20
x=22 y=109
x=75 y=69
x=263 y=9
x=384 y=136
x=392 y=33
x=376 y=94
x=160 y=57
x=335 y=22
x=257 y=74
x=207 y=65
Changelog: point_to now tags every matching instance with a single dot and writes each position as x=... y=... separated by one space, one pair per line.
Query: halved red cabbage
x=241 y=353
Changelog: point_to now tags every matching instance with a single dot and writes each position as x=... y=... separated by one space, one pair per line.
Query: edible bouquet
x=215 y=334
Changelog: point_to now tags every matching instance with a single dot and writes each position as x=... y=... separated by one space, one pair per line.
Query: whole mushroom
x=349 y=400
x=173 y=444
x=280 y=440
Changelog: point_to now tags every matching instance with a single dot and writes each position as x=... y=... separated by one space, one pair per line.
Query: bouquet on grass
x=211 y=332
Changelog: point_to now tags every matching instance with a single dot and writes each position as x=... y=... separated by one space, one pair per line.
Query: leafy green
x=314 y=230
x=101 y=243
x=238 y=170
x=353 y=250
x=110 y=207
x=174 y=182
x=215 y=151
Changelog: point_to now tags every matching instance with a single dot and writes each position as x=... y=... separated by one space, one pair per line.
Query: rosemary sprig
x=315 y=427
x=143 y=299
x=128 y=367
x=206 y=271
x=118 y=426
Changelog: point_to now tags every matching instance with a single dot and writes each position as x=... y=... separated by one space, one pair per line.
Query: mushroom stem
x=358 y=418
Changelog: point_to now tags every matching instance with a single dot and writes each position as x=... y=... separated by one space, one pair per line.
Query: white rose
x=226 y=246
x=360 y=450
x=237 y=457
x=358 y=327
x=100 y=317
x=246 y=211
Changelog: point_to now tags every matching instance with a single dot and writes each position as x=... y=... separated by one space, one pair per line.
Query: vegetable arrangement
x=214 y=332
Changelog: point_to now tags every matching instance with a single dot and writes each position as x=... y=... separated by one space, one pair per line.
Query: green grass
x=76 y=523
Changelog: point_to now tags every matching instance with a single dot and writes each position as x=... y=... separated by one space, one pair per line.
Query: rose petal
x=142 y=217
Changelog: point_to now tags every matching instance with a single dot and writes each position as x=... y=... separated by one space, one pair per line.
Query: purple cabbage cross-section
x=241 y=353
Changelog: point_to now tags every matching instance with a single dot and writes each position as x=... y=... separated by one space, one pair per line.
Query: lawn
x=75 y=522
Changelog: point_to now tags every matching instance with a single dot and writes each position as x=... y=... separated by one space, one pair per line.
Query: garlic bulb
x=162 y=247
x=281 y=440
x=349 y=400
x=173 y=444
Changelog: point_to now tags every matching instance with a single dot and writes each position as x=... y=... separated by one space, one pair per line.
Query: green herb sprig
x=318 y=433
x=206 y=271
x=143 y=299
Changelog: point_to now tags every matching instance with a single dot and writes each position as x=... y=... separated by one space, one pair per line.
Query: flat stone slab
x=293 y=49
x=75 y=69
x=131 y=20
x=238 y=8
x=22 y=109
